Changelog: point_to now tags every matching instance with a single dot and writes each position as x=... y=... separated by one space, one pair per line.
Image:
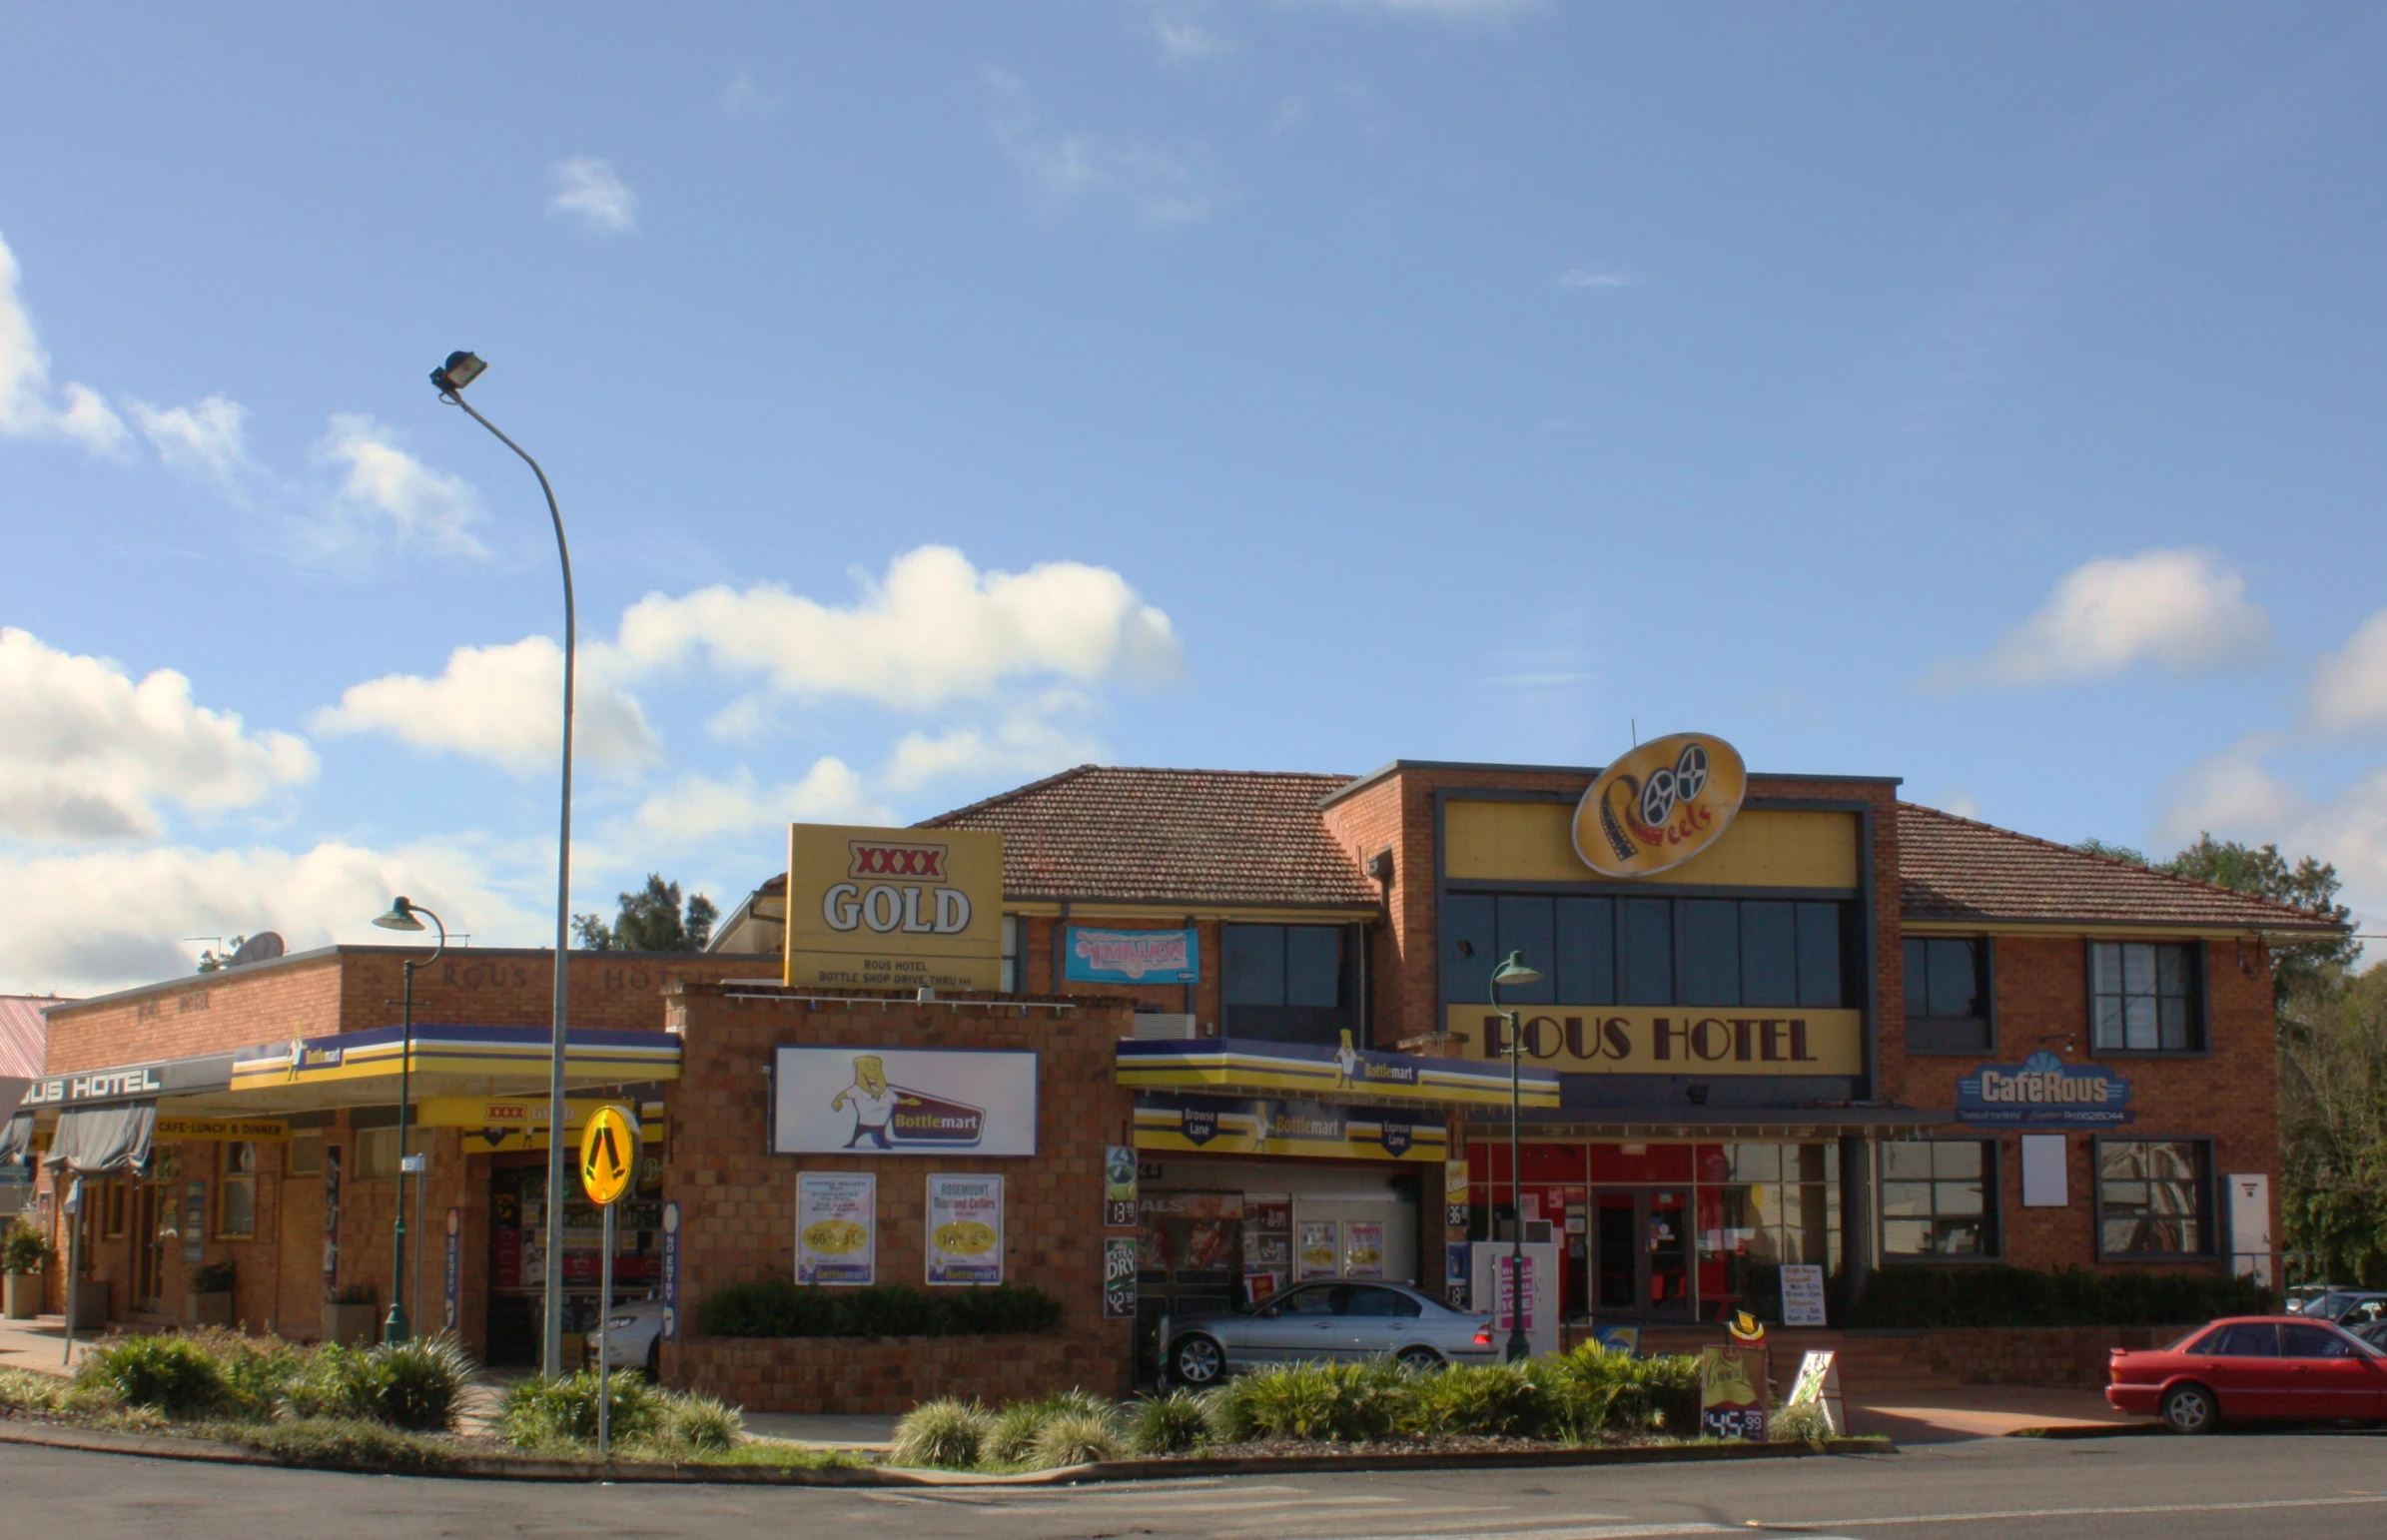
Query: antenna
x=1636 y=725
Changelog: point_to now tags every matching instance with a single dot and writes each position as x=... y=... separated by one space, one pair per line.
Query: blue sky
x=943 y=394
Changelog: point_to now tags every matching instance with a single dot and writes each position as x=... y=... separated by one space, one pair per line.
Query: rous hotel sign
x=894 y=908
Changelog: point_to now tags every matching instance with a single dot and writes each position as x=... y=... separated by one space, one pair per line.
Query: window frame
x=1984 y=968
x=1992 y=1192
x=1849 y=984
x=2208 y=1196
x=2200 y=1014
x=357 y=1139
x=227 y=1179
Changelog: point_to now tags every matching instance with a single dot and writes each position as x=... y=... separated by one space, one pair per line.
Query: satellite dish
x=263 y=947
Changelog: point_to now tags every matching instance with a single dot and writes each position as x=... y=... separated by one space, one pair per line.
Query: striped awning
x=1335 y=1075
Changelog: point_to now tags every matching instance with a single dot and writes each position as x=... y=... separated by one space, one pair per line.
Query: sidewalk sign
x=1819 y=1380
x=1731 y=1392
x=1802 y=1294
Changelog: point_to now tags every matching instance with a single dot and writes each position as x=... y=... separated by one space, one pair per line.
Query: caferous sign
x=2042 y=1091
x=894 y=908
x=609 y=1155
x=1660 y=805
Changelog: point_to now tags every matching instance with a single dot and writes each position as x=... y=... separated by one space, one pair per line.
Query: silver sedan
x=1329 y=1322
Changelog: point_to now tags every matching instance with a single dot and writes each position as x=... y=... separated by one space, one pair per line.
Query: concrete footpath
x=1910 y=1414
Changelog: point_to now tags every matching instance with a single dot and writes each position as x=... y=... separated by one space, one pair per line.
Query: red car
x=2248 y=1367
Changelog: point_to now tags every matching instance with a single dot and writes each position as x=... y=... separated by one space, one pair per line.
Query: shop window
x=306 y=1155
x=376 y=1154
x=1939 y=1198
x=236 y=1210
x=1763 y=1206
x=112 y=1210
x=2155 y=1197
x=2145 y=998
x=1284 y=981
x=1011 y=954
x=1947 y=995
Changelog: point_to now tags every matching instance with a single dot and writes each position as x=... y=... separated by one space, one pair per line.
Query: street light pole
x=461 y=370
x=395 y=1326
x=1512 y=970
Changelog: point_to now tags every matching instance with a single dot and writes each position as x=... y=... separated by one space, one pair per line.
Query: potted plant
x=24 y=1252
x=207 y=1301
x=350 y=1317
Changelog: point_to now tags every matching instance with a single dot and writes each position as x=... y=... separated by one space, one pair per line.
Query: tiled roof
x=1952 y=868
x=1169 y=836
x=23 y=1033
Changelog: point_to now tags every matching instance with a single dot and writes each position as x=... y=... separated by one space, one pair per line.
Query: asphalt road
x=2261 y=1484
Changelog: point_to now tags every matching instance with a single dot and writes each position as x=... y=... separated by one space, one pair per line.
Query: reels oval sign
x=1660 y=805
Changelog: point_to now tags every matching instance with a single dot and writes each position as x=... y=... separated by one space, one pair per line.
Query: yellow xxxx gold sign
x=609 y=1155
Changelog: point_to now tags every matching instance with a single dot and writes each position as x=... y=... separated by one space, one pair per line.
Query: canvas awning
x=97 y=1141
x=16 y=1137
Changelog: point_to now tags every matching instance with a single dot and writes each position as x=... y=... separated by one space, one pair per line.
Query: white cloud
x=2180 y=609
x=26 y=408
x=503 y=704
x=587 y=187
x=208 y=439
x=1182 y=39
x=1161 y=188
x=1436 y=10
x=1594 y=277
x=2235 y=795
x=936 y=629
x=90 y=753
x=381 y=484
x=744 y=97
x=698 y=809
x=89 y=923
x=1023 y=747
x=2349 y=689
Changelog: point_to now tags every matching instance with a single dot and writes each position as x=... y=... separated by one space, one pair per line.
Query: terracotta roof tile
x=23 y=1032
x=1168 y=836
x=1952 y=868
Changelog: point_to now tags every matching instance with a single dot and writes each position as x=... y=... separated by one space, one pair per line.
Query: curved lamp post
x=449 y=379
x=402 y=910
x=1512 y=970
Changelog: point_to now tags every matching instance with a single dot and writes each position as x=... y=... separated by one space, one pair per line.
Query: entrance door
x=149 y=1250
x=1641 y=1252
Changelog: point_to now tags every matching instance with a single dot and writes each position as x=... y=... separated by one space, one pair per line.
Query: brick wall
x=738 y=1201
x=2053 y=1356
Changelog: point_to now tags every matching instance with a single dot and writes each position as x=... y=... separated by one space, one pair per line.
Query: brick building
x=1849 y=1033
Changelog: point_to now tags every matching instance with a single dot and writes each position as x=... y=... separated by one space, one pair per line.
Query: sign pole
x=605 y=1338
x=609 y=1154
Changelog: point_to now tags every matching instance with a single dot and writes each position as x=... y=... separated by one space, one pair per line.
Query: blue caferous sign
x=2042 y=1091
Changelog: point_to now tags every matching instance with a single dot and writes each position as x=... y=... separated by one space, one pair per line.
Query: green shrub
x=173 y=1375
x=1499 y=1400
x=542 y=1412
x=1340 y=1403
x=417 y=1383
x=1593 y=1391
x=339 y=1442
x=1806 y=1423
x=1994 y=1295
x=1012 y=1437
x=704 y=1423
x=1169 y=1424
x=950 y=1434
x=1075 y=1437
x=24 y=1249
x=22 y=1390
x=782 y=1309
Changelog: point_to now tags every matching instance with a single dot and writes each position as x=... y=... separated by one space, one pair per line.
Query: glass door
x=1641 y=1247
x=1666 y=1225
x=1616 y=1253
x=152 y=1207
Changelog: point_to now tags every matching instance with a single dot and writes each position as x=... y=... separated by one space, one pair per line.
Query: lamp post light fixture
x=451 y=379
x=1512 y=970
x=402 y=910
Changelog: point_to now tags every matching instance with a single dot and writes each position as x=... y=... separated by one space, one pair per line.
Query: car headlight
x=622 y=1323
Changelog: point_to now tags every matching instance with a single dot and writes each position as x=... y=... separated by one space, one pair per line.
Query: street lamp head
x=461 y=370
x=400 y=916
x=1512 y=970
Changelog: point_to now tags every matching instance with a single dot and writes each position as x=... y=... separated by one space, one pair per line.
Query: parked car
x=634 y=1337
x=2250 y=1368
x=1330 y=1321
x=2347 y=1307
x=2373 y=1332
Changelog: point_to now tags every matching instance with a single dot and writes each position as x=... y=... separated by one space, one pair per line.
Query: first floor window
x=2155 y=1197
x=1947 y=996
x=2144 y=996
x=237 y=1218
x=1938 y=1198
x=376 y=1154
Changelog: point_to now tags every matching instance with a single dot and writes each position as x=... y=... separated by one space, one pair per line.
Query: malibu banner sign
x=894 y=908
x=1660 y=805
x=2042 y=1091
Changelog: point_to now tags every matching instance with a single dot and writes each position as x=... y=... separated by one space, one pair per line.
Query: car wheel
x=1198 y=1361
x=2190 y=1409
x=1419 y=1359
x=654 y=1360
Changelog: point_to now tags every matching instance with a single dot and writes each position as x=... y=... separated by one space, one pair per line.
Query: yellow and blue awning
x=1339 y=1075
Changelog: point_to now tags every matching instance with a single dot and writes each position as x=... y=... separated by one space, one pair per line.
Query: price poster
x=1456 y=1194
x=965 y=1230
x=837 y=1220
x=1314 y=1251
x=1119 y=1278
x=1363 y=1248
x=1119 y=1187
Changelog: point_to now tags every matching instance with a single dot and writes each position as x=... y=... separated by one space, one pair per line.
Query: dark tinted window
x=1586 y=951
x=1309 y=1301
x=1711 y=952
x=1313 y=964
x=1526 y=926
x=1645 y=952
x=2143 y=995
x=1468 y=943
x=2247 y=1340
x=1819 y=957
x=2316 y=1343
x=1364 y=1301
x=1769 y=954
x=1254 y=957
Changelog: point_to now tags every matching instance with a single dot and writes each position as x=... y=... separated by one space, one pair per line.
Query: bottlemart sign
x=2042 y=1091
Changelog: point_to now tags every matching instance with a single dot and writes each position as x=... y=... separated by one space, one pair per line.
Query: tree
x=2097 y=847
x=2263 y=871
x=652 y=920
x=2333 y=1123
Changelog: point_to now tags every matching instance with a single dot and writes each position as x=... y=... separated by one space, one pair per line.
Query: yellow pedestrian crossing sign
x=609 y=1155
